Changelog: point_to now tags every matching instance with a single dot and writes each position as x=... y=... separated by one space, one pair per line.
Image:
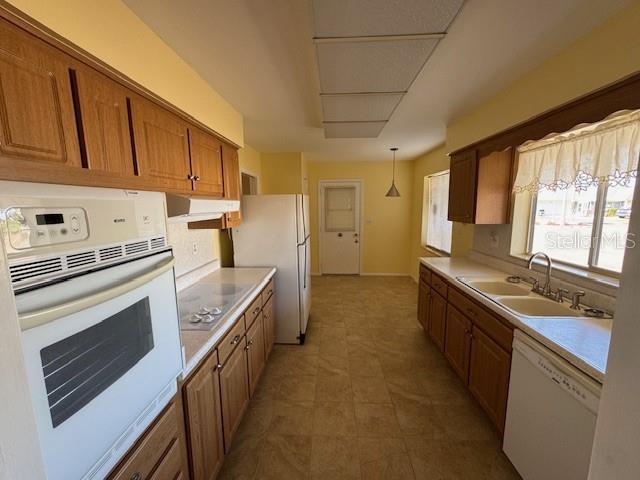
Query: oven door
x=102 y=352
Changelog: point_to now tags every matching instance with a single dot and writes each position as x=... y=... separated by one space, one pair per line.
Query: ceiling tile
x=367 y=107
x=353 y=129
x=378 y=66
x=347 y=18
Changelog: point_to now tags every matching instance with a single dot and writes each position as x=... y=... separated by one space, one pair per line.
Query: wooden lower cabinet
x=203 y=415
x=437 y=319
x=255 y=353
x=160 y=453
x=457 y=344
x=234 y=391
x=424 y=294
x=269 y=321
x=489 y=376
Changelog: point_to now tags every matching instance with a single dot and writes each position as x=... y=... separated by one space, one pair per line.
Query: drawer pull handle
x=256 y=310
x=136 y=476
x=270 y=292
x=235 y=340
x=247 y=347
x=250 y=342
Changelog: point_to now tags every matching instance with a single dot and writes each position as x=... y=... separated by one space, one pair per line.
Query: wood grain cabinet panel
x=462 y=187
x=268 y=318
x=234 y=391
x=255 y=353
x=437 y=319
x=489 y=376
x=206 y=163
x=231 y=169
x=424 y=293
x=161 y=145
x=37 y=119
x=457 y=344
x=102 y=110
x=204 y=421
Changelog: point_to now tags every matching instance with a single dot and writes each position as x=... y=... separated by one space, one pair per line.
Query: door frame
x=322 y=184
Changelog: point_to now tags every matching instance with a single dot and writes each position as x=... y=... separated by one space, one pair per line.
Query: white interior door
x=340 y=227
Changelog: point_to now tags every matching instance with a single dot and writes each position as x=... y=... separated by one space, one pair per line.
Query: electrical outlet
x=194 y=248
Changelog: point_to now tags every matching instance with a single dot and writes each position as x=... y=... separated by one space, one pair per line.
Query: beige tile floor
x=366 y=397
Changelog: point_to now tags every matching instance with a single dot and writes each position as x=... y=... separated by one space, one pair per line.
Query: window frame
x=425 y=206
x=596 y=233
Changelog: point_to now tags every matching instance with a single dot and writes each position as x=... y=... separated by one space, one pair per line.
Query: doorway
x=249 y=184
x=340 y=226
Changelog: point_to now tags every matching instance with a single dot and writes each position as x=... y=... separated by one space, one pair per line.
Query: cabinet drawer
x=439 y=285
x=425 y=274
x=267 y=292
x=253 y=311
x=154 y=444
x=487 y=322
x=230 y=340
x=171 y=465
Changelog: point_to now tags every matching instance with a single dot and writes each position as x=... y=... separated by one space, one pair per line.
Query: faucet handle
x=560 y=293
x=575 y=299
x=535 y=284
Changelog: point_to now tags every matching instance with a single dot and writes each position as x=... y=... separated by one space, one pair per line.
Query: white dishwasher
x=551 y=414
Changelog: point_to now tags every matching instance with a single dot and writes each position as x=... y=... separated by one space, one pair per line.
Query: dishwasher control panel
x=566 y=381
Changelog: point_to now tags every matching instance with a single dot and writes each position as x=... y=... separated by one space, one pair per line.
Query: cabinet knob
x=189 y=176
x=217 y=367
x=247 y=347
x=256 y=310
x=196 y=178
x=235 y=340
x=136 y=476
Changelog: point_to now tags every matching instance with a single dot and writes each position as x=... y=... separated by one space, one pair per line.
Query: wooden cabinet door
x=162 y=146
x=105 y=122
x=37 y=119
x=268 y=318
x=462 y=187
x=489 y=376
x=203 y=414
x=457 y=344
x=234 y=391
x=206 y=162
x=231 y=168
x=255 y=352
x=437 y=319
x=424 y=293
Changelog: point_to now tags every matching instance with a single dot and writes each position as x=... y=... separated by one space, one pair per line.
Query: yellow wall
x=609 y=52
x=283 y=172
x=251 y=163
x=431 y=162
x=109 y=30
x=386 y=221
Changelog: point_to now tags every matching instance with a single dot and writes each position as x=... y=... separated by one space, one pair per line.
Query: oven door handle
x=42 y=316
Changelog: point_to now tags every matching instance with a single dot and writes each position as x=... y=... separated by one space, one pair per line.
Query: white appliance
x=551 y=414
x=275 y=233
x=96 y=299
x=184 y=208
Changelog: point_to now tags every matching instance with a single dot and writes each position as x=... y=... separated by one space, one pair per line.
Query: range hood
x=184 y=208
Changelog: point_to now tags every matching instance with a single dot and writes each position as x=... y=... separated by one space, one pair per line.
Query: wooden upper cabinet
x=489 y=376
x=162 y=146
x=206 y=162
x=462 y=187
x=479 y=188
x=37 y=118
x=204 y=421
x=102 y=109
x=231 y=168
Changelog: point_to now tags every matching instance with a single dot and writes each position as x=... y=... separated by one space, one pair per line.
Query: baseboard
x=369 y=274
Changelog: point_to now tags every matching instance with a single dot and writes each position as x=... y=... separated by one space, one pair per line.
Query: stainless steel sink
x=500 y=288
x=536 y=307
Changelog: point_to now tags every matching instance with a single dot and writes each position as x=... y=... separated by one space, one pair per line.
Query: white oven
x=96 y=299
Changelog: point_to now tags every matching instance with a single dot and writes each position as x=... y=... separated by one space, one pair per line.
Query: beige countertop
x=582 y=341
x=198 y=343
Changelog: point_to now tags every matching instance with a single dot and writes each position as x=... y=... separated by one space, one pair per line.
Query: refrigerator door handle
x=305 y=266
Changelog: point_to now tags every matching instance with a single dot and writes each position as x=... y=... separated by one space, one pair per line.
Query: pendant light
x=393 y=191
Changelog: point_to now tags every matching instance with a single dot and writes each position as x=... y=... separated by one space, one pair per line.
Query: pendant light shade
x=393 y=191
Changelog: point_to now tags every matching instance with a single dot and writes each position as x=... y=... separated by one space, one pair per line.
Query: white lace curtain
x=588 y=154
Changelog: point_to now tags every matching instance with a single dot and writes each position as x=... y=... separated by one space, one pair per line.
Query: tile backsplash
x=192 y=248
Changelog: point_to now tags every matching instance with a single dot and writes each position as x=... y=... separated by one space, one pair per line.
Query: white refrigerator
x=275 y=233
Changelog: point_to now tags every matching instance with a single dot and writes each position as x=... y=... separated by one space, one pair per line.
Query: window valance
x=588 y=154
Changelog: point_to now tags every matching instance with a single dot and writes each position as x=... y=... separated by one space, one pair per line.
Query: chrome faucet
x=546 y=290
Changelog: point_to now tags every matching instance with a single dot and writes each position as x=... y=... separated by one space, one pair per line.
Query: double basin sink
x=519 y=299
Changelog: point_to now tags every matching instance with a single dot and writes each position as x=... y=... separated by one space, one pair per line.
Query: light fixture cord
x=393 y=175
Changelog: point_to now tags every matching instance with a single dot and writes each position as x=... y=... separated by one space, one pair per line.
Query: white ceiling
x=260 y=56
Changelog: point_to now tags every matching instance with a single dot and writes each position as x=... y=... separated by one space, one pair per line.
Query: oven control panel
x=29 y=227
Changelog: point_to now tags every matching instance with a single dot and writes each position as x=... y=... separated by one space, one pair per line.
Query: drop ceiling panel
x=359 y=107
x=353 y=129
x=347 y=18
x=378 y=66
